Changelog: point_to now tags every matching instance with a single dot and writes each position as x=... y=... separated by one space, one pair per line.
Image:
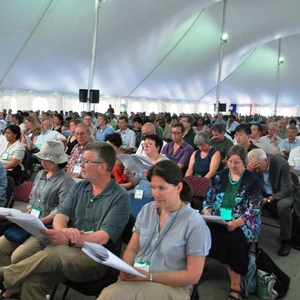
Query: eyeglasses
x=80 y=133
x=88 y=162
x=148 y=144
x=235 y=163
x=176 y=133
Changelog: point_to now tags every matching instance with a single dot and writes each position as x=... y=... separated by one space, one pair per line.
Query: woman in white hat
x=51 y=187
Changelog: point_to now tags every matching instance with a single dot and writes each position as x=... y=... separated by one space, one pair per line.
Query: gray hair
x=201 y=137
x=274 y=124
x=259 y=154
x=240 y=151
x=87 y=127
x=104 y=153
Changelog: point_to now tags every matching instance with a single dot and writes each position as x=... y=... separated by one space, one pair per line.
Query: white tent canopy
x=159 y=50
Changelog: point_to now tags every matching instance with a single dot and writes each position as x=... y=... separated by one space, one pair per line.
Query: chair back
x=199 y=184
x=127 y=232
x=295 y=179
x=22 y=193
x=9 y=189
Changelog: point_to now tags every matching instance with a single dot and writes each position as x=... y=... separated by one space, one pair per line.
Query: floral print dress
x=248 y=201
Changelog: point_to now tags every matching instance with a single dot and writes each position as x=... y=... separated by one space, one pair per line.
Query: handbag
x=265 y=263
x=17 y=234
x=265 y=286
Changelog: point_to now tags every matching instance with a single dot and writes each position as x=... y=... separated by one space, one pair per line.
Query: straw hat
x=53 y=150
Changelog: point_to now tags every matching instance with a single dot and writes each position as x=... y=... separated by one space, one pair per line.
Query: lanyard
x=163 y=235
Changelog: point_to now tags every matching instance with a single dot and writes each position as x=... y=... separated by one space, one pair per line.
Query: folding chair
x=94 y=288
x=200 y=187
x=21 y=194
x=9 y=190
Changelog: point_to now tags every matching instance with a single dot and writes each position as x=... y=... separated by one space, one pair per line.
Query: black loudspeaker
x=94 y=96
x=222 y=106
x=83 y=95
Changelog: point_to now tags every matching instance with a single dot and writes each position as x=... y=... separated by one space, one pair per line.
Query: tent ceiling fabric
x=153 y=49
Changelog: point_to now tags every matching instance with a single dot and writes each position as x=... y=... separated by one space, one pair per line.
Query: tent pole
x=93 y=55
x=222 y=44
x=279 y=63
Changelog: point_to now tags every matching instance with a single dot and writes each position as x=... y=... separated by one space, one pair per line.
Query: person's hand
x=129 y=277
x=231 y=225
x=253 y=164
x=265 y=201
x=55 y=237
x=73 y=234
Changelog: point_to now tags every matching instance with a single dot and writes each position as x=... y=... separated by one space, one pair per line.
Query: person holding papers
x=169 y=243
x=235 y=195
x=33 y=130
x=95 y=210
x=51 y=187
x=142 y=188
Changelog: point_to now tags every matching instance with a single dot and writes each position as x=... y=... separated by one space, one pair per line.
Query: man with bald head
x=148 y=128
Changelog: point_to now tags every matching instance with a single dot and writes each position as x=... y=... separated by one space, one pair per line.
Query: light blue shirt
x=49 y=135
x=101 y=134
x=286 y=145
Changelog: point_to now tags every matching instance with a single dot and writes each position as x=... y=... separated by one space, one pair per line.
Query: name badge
x=226 y=214
x=5 y=155
x=36 y=211
x=88 y=230
x=76 y=169
x=142 y=265
x=138 y=194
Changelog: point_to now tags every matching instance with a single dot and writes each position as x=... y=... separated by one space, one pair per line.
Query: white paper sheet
x=8 y=211
x=29 y=142
x=215 y=219
x=103 y=256
x=135 y=163
x=29 y=222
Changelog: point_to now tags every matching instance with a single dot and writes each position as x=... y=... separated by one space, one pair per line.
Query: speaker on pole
x=94 y=96
x=83 y=95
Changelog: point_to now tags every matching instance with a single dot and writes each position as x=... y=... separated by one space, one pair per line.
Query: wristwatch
x=269 y=200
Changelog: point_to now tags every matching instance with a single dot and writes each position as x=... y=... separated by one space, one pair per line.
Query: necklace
x=232 y=182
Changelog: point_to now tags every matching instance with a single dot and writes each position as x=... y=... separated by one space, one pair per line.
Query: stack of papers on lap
x=29 y=142
x=215 y=219
x=103 y=256
x=135 y=163
x=29 y=222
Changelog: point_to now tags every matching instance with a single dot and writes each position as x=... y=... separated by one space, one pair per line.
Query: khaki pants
x=57 y=263
x=11 y=252
x=140 y=290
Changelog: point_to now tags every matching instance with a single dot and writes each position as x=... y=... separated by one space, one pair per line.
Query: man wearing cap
x=96 y=210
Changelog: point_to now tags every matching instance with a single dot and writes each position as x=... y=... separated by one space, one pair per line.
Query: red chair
x=22 y=193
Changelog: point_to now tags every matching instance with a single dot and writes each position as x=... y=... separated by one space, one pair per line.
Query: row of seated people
x=231 y=195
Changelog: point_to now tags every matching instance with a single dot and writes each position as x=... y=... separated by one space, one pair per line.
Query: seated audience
x=127 y=135
x=33 y=130
x=58 y=126
x=272 y=136
x=242 y=137
x=95 y=210
x=294 y=157
x=274 y=173
x=115 y=140
x=291 y=142
x=282 y=133
x=142 y=188
x=72 y=140
x=176 y=260
x=201 y=127
x=205 y=161
x=12 y=152
x=166 y=129
x=83 y=136
x=235 y=195
x=89 y=122
x=189 y=133
x=220 y=141
x=103 y=129
x=17 y=119
x=51 y=187
x=178 y=150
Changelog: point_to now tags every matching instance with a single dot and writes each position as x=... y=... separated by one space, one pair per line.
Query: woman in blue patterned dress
x=235 y=195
